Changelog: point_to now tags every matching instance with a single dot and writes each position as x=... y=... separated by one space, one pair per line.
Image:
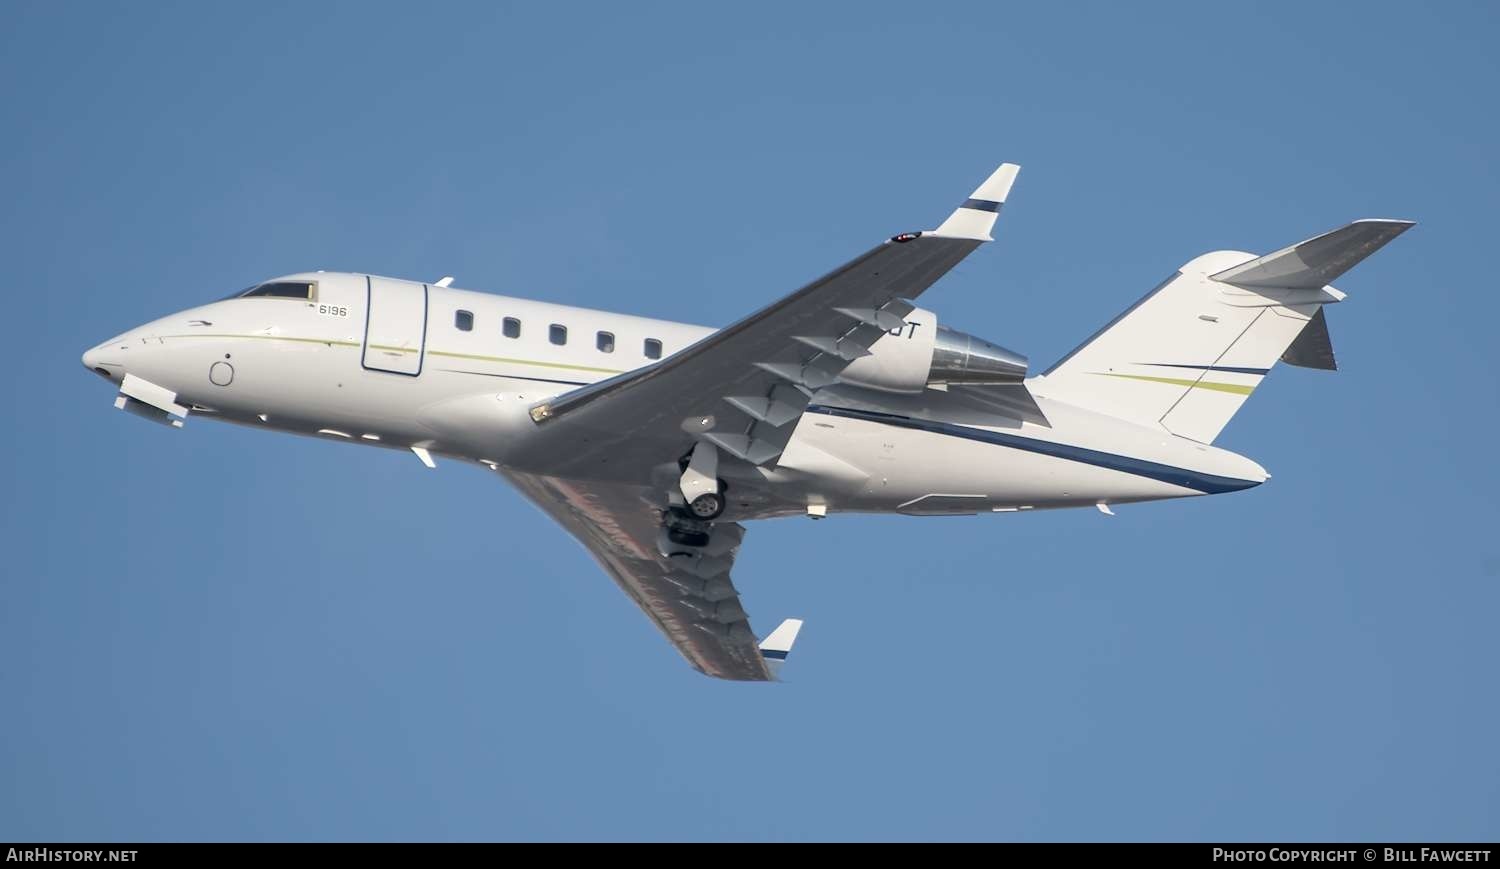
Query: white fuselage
x=405 y=375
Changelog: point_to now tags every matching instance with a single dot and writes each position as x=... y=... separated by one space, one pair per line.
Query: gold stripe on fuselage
x=334 y=342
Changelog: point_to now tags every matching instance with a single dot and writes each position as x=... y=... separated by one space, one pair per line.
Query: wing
x=604 y=446
x=743 y=387
x=688 y=595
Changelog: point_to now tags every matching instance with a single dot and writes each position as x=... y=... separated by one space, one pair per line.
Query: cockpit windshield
x=278 y=290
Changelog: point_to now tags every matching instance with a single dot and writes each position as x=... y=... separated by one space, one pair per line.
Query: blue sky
x=221 y=634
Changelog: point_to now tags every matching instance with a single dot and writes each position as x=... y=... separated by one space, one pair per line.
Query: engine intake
x=958 y=357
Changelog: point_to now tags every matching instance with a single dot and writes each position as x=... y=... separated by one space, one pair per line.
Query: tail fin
x=1187 y=355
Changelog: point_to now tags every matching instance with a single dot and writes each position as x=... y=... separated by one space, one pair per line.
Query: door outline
x=364 y=349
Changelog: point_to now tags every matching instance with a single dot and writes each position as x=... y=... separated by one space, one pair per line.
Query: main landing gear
x=702 y=490
x=708 y=506
x=689 y=521
x=687 y=532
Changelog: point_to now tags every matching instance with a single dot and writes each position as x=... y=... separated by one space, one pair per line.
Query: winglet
x=778 y=645
x=976 y=216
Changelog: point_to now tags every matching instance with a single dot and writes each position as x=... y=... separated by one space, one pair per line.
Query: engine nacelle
x=900 y=359
x=921 y=353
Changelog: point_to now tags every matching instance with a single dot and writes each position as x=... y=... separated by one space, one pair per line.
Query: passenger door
x=395 y=326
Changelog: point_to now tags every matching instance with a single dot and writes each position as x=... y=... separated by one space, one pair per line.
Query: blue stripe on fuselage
x=1208 y=484
x=1230 y=368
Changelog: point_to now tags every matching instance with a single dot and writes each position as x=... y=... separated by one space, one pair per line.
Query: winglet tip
x=781 y=639
x=775 y=648
x=996 y=187
x=975 y=218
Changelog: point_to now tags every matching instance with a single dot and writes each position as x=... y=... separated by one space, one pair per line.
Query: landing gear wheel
x=683 y=537
x=706 y=507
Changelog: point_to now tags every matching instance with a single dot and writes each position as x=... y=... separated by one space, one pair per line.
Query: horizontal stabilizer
x=1312 y=348
x=1317 y=262
x=1008 y=399
x=778 y=645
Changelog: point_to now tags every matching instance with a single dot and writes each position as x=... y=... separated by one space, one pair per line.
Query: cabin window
x=511 y=327
x=463 y=321
x=557 y=334
x=653 y=348
x=281 y=290
x=605 y=342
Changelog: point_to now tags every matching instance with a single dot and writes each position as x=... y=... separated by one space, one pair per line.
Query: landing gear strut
x=700 y=484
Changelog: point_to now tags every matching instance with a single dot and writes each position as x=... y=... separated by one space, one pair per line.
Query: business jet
x=651 y=442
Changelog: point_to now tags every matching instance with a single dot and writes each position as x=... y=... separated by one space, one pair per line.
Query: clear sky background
x=222 y=634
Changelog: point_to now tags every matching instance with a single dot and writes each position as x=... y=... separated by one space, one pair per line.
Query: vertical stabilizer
x=1187 y=355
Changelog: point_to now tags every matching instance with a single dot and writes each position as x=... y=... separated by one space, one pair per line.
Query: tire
x=687 y=538
x=707 y=507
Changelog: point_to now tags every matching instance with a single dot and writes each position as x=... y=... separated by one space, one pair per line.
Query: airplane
x=652 y=442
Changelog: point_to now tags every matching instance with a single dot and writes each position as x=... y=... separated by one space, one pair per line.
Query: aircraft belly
x=919 y=471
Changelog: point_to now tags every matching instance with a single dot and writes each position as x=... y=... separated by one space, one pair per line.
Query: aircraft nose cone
x=103 y=363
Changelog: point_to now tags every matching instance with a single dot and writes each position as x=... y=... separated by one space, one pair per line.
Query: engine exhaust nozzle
x=958 y=357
